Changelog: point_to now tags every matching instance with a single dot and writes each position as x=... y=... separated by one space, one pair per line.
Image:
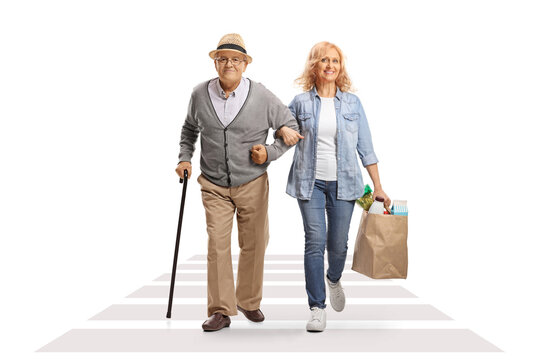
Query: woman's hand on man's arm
x=290 y=137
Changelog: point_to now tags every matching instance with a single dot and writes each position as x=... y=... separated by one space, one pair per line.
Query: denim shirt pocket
x=303 y=121
x=352 y=121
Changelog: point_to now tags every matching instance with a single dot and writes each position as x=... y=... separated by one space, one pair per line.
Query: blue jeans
x=339 y=212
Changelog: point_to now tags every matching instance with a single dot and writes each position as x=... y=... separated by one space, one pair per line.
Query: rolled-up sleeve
x=364 y=145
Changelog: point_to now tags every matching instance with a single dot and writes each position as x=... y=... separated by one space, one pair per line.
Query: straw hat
x=231 y=42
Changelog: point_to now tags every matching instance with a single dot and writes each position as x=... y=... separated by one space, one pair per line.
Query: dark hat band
x=232 y=47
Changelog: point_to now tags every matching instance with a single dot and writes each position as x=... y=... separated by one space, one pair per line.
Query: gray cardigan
x=225 y=151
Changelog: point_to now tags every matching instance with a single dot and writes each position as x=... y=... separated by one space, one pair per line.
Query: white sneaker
x=337 y=296
x=317 y=321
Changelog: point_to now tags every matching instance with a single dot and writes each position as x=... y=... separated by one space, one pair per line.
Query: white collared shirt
x=228 y=108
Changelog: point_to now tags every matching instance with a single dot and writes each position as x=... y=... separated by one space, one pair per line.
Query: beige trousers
x=250 y=202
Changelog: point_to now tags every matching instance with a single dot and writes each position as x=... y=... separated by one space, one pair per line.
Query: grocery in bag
x=381 y=243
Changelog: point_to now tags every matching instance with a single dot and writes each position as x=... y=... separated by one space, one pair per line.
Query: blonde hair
x=308 y=78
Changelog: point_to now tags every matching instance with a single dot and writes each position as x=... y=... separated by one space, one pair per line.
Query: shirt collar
x=339 y=94
x=221 y=92
x=313 y=93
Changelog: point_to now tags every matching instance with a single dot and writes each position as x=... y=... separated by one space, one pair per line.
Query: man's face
x=227 y=71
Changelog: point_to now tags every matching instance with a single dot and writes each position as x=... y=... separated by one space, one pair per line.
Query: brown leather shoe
x=252 y=315
x=216 y=322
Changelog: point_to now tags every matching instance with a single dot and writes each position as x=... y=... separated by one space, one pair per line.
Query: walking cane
x=178 y=231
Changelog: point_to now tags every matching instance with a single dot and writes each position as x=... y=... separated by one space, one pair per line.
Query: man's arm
x=278 y=117
x=290 y=136
x=188 y=138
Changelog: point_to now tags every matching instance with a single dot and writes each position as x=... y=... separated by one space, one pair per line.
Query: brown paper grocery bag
x=381 y=246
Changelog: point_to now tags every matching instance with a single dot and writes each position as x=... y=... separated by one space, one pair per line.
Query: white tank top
x=326 y=142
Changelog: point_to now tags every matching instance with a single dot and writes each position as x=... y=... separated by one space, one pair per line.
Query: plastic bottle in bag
x=377 y=207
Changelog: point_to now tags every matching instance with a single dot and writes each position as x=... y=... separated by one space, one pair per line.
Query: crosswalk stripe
x=160 y=291
x=272 y=324
x=277 y=301
x=202 y=266
x=297 y=276
x=272 y=340
x=267 y=257
x=298 y=283
x=277 y=312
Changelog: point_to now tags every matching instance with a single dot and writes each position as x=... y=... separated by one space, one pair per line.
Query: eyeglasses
x=224 y=60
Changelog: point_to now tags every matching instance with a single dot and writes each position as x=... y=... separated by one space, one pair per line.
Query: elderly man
x=233 y=115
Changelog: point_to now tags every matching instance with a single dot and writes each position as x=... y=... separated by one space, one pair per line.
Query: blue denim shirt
x=353 y=136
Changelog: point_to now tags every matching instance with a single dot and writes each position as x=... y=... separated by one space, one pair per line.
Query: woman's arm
x=373 y=172
x=290 y=136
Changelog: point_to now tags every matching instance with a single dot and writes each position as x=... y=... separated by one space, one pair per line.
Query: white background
x=93 y=95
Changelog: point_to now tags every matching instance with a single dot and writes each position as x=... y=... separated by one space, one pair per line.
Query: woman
x=325 y=175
